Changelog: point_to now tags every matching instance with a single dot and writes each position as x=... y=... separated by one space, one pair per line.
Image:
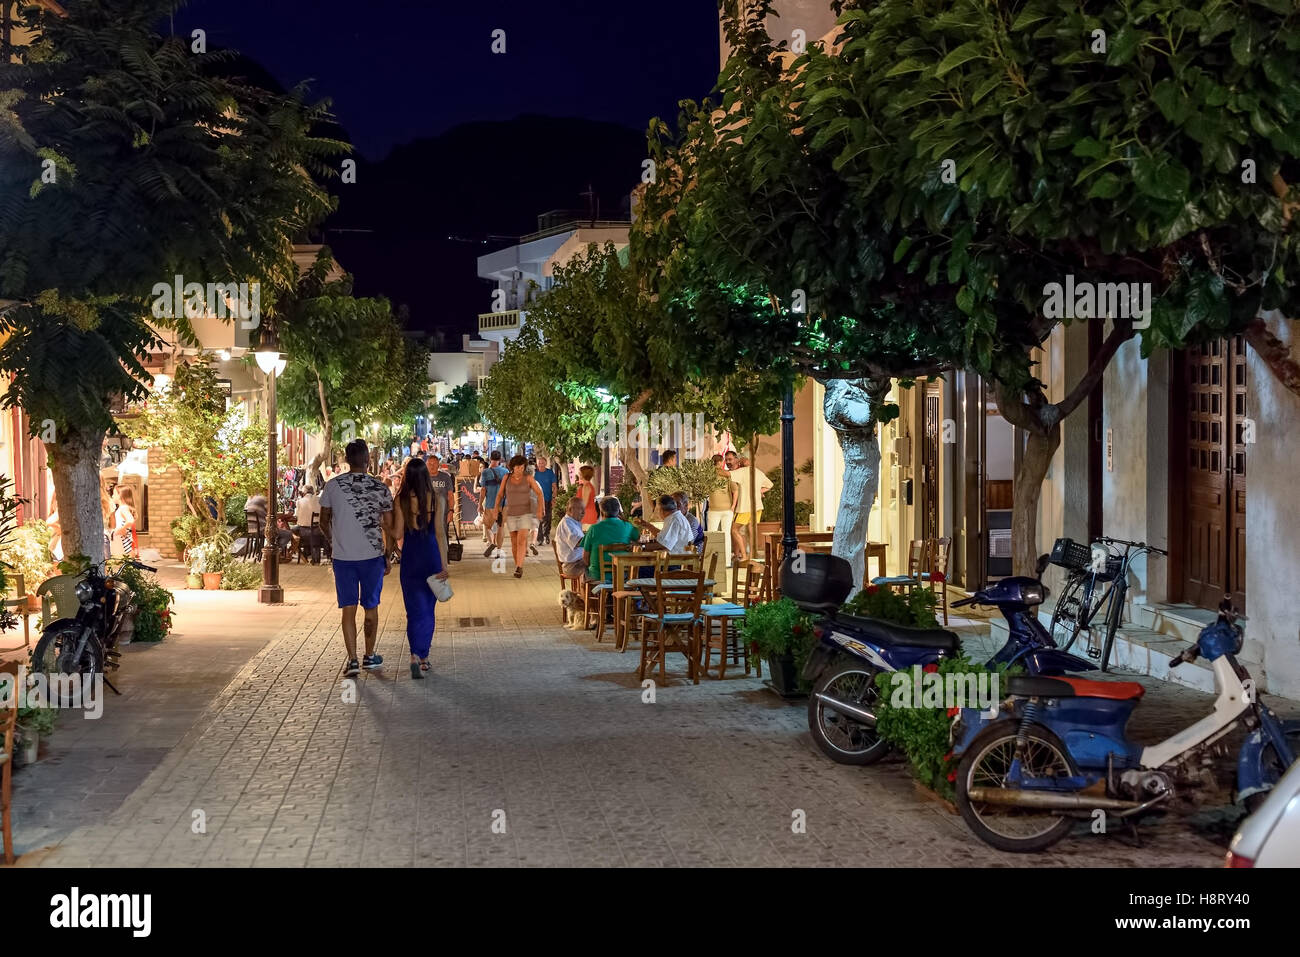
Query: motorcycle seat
x=1029 y=686
x=887 y=633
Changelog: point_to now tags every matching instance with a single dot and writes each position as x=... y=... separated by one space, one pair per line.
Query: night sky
x=401 y=69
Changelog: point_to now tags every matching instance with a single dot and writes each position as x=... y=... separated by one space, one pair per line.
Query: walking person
x=546 y=479
x=444 y=492
x=356 y=516
x=489 y=482
x=124 y=520
x=415 y=519
x=517 y=509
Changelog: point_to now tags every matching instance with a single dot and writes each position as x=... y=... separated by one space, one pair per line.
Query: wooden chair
x=603 y=589
x=19 y=605
x=915 y=560
x=936 y=571
x=725 y=639
x=626 y=566
x=8 y=721
x=747 y=588
x=674 y=623
x=254 y=536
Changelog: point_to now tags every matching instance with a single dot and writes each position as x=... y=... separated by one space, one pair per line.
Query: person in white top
x=308 y=509
x=676 y=535
x=568 y=541
x=740 y=475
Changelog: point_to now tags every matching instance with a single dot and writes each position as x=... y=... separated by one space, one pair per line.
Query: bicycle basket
x=1070 y=555
x=1113 y=565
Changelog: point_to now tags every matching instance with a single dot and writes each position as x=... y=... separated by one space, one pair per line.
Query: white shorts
x=520 y=523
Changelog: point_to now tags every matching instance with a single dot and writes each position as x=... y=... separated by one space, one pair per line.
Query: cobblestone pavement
x=535 y=729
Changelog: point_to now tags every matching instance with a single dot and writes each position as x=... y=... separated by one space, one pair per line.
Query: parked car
x=1271 y=836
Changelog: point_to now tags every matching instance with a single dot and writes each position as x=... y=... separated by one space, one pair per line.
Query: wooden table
x=816 y=543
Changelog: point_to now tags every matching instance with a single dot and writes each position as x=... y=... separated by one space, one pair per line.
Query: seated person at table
x=610 y=530
x=676 y=535
x=697 y=530
x=568 y=541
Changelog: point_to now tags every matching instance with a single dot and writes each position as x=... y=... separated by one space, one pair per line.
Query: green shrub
x=38 y=720
x=922 y=735
x=914 y=609
x=235 y=509
x=27 y=552
x=774 y=502
x=153 y=618
x=777 y=627
x=189 y=530
x=241 y=575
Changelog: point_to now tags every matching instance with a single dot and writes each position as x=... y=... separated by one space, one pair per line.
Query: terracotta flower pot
x=211 y=581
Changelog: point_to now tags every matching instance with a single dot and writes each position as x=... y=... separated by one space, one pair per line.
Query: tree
x=136 y=162
x=526 y=395
x=1149 y=143
x=458 y=412
x=349 y=362
x=218 y=451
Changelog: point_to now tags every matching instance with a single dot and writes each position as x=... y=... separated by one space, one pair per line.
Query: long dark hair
x=416 y=497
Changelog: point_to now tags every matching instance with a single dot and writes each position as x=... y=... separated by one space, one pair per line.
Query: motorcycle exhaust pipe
x=1052 y=800
x=854 y=711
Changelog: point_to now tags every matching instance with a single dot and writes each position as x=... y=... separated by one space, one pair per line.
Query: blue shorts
x=366 y=577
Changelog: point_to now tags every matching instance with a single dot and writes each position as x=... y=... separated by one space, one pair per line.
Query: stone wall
x=166 y=502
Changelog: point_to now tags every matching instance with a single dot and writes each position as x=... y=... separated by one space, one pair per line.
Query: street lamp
x=271 y=362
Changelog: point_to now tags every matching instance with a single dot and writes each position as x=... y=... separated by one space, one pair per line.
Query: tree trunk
x=1275 y=353
x=627 y=454
x=848 y=408
x=74 y=466
x=1028 y=491
x=328 y=420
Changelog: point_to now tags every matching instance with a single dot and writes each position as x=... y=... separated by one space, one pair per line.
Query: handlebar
x=964 y=602
x=1141 y=546
x=1191 y=654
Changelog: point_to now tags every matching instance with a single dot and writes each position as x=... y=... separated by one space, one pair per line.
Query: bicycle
x=1097 y=581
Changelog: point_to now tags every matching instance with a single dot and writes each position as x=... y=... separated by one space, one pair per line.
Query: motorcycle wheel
x=986 y=763
x=840 y=738
x=53 y=654
x=1270 y=759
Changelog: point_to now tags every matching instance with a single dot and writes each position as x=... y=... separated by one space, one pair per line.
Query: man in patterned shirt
x=356 y=517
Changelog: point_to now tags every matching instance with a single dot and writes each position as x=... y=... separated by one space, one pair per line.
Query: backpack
x=492 y=477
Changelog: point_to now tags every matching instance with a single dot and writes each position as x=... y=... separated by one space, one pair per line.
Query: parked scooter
x=87 y=644
x=851 y=651
x=1059 y=750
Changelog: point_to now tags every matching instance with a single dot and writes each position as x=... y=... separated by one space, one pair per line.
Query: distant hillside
x=475 y=181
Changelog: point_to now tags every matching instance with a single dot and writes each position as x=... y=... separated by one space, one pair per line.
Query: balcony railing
x=500 y=321
x=571 y=225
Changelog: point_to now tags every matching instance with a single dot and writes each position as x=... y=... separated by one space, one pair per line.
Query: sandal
x=415 y=670
x=519 y=572
x=424 y=664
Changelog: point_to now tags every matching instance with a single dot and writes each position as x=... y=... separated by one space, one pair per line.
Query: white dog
x=571 y=601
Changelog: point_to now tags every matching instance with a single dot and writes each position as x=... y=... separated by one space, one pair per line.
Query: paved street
x=231 y=748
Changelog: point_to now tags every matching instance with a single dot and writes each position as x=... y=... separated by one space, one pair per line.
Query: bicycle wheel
x=1064 y=628
x=1113 y=614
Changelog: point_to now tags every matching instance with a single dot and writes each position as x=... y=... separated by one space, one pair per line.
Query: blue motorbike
x=851 y=651
x=1059 y=750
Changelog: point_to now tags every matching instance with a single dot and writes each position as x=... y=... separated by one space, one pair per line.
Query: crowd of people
x=371 y=519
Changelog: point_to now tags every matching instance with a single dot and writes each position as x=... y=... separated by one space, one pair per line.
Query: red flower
x=872 y=589
x=930 y=669
x=952 y=777
x=952 y=713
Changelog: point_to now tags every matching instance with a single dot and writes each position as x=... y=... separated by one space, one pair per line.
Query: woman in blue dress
x=414 y=512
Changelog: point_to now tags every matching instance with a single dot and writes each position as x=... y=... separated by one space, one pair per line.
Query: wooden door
x=1214 y=512
x=930 y=448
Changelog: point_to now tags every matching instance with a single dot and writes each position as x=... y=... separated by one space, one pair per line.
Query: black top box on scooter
x=817 y=583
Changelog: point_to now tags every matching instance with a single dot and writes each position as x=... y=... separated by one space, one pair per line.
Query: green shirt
x=608 y=531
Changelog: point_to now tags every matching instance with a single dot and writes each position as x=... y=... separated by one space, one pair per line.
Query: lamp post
x=789 y=540
x=272 y=363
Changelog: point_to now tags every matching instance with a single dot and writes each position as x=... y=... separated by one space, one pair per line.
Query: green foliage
x=211 y=555
x=217 y=451
x=922 y=734
x=349 y=363
x=164 y=167
x=27 y=553
x=189 y=530
x=778 y=627
x=626 y=494
x=38 y=721
x=459 y=411
x=153 y=618
x=915 y=609
x=235 y=506
x=774 y=501
x=74 y=565
x=241 y=575
x=8 y=523
x=696 y=477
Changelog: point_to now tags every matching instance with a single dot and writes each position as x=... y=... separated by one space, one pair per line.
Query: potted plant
x=27 y=553
x=783 y=634
x=209 y=559
x=152 y=618
x=32 y=725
